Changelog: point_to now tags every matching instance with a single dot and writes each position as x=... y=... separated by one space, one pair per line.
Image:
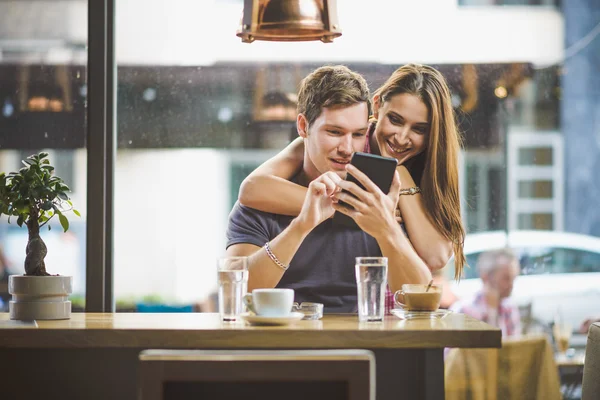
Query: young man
x=309 y=253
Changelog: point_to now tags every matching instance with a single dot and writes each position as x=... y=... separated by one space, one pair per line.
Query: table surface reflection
x=205 y=330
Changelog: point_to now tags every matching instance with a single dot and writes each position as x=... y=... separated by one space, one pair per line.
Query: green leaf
x=62 y=196
x=76 y=213
x=45 y=161
x=69 y=202
x=47 y=206
x=49 y=227
x=20 y=221
x=48 y=167
x=42 y=155
x=64 y=222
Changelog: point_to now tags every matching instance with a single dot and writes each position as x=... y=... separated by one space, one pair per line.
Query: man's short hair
x=489 y=261
x=331 y=86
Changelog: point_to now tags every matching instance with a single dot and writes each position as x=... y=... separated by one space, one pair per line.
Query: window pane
x=535 y=189
x=198 y=110
x=43 y=108
x=535 y=221
x=536 y=156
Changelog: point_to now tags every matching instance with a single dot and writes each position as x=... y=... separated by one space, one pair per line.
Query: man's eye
x=358 y=134
x=335 y=132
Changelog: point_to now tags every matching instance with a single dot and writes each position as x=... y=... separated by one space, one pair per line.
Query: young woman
x=413 y=121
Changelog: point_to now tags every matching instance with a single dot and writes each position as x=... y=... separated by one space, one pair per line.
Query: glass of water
x=371 y=282
x=233 y=285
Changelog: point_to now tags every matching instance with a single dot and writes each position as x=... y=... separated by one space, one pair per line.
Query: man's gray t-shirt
x=322 y=271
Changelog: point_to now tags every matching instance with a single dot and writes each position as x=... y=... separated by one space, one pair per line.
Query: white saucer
x=254 y=319
x=405 y=314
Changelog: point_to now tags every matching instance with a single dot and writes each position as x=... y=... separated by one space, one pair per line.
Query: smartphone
x=378 y=169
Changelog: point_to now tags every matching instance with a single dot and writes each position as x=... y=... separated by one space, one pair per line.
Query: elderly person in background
x=498 y=270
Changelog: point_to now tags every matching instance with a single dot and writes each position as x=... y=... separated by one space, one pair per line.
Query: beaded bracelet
x=273 y=258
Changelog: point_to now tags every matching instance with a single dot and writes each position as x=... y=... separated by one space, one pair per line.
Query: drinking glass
x=233 y=285
x=562 y=335
x=371 y=282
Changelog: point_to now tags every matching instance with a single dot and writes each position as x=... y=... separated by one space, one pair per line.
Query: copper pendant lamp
x=289 y=21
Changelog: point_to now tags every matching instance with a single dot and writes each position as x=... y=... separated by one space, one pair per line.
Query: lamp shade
x=289 y=20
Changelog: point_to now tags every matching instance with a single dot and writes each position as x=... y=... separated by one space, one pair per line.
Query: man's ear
x=302 y=125
x=376 y=105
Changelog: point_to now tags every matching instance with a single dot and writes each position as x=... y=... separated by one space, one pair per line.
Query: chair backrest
x=523 y=368
x=590 y=388
x=260 y=374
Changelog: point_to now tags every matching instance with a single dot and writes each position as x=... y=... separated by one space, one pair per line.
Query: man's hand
x=318 y=203
x=374 y=211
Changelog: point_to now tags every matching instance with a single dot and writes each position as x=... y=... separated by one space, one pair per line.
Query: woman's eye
x=395 y=121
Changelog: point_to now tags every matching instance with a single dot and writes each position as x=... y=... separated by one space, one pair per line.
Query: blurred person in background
x=498 y=270
x=585 y=326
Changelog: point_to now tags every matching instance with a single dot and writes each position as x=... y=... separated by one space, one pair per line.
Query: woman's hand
x=398 y=214
x=374 y=211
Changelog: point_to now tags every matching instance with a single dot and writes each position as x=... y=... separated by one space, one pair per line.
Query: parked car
x=560 y=272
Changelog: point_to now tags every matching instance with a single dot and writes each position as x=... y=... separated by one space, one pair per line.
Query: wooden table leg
x=409 y=374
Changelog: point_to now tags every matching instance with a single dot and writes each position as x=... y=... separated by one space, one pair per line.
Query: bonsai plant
x=34 y=196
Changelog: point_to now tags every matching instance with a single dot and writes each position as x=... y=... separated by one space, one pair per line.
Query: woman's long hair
x=436 y=169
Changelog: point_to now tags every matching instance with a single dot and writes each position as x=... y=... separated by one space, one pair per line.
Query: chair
x=590 y=388
x=256 y=374
x=523 y=368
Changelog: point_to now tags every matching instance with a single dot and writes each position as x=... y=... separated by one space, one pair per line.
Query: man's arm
x=262 y=271
x=317 y=207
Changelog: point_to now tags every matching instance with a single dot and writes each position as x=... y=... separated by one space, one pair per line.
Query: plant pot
x=40 y=297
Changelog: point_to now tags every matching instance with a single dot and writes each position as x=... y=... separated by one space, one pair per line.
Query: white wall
x=191 y=32
x=171 y=208
x=202 y=32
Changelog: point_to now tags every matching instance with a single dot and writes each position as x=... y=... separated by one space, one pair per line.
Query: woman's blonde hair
x=436 y=169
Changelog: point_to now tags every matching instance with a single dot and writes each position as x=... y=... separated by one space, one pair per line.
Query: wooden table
x=570 y=370
x=94 y=356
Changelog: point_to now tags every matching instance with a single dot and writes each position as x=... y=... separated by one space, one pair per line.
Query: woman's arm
x=432 y=247
x=268 y=187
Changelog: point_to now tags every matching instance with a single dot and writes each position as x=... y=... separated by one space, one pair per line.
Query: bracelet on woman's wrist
x=410 y=191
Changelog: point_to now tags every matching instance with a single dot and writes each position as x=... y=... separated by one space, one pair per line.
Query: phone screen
x=380 y=170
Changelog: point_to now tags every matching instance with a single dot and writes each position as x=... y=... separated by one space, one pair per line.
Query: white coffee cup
x=270 y=302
